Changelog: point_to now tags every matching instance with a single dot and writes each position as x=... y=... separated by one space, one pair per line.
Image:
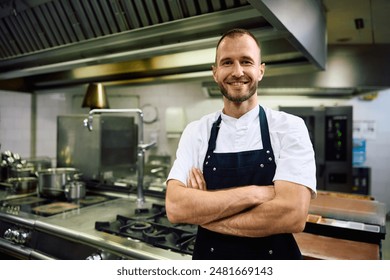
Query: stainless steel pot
x=19 y=172
x=52 y=181
x=75 y=190
x=21 y=185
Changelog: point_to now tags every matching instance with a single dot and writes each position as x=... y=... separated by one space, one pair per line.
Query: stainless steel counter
x=78 y=227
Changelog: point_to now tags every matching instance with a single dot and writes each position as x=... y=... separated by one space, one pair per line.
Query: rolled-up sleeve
x=296 y=160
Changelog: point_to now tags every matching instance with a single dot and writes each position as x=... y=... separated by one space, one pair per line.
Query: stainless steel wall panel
x=110 y=149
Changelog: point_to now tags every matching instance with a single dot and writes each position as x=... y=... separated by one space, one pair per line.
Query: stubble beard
x=238 y=99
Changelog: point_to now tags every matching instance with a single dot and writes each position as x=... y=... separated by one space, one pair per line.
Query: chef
x=245 y=174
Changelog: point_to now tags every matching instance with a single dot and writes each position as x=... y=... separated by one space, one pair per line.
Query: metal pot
x=18 y=172
x=21 y=185
x=75 y=190
x=52 y=181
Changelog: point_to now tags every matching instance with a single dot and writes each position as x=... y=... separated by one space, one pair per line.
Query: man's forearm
x=188 y=205
x=285 y=214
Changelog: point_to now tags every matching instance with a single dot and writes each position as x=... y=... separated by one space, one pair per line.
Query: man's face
x=238 y=68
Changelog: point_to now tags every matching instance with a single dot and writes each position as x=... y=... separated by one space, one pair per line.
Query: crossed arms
x=250 y=211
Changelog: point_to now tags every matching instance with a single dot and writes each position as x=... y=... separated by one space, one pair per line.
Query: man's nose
x=237 y=70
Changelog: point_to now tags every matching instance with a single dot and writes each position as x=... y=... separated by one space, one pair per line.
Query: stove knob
x=17 y=235
x=95 y=257
x=8 y=234
x=22 y=237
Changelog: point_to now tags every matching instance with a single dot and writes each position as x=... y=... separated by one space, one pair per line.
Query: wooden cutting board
x=55 y=208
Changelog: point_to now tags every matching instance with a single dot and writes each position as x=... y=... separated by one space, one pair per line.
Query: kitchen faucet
x=142 y=147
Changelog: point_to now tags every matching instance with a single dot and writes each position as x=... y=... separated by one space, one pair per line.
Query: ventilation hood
x=50 y=44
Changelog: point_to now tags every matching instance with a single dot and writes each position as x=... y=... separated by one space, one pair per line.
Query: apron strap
x=213 y=135
x=265 y=136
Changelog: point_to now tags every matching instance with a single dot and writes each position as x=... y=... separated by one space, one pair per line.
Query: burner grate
x=152 y=227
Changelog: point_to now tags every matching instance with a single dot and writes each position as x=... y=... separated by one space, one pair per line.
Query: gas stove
x=152 y=227
x=103 y=225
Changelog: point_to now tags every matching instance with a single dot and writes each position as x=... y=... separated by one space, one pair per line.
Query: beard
x=241 y=98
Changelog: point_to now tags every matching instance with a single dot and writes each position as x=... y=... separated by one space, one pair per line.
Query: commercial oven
x=330 y=130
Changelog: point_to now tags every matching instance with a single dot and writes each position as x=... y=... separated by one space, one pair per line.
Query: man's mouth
x=237 y=83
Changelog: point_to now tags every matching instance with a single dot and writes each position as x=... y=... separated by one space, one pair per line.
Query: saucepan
x=52 y=181
x=75 y=190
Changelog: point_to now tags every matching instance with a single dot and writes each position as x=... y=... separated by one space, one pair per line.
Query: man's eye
x=246 y=62
x=226 y=63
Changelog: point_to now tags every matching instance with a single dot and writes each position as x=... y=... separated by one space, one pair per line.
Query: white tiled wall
x=15 y=122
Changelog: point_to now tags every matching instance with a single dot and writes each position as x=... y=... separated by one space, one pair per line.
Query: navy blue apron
x=225 y=170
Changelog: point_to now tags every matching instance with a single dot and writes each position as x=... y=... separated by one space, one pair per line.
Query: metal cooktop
x=152 y=227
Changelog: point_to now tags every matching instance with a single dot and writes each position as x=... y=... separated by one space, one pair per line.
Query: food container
x=52 y=181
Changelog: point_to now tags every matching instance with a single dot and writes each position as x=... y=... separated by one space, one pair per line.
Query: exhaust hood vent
x=56 y=43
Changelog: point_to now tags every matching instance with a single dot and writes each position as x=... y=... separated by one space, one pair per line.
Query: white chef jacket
x=290 y=141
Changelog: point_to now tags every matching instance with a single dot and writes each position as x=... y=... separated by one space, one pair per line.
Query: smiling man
x=245 y=175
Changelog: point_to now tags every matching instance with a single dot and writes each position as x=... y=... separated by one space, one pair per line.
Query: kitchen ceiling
x=56 y=43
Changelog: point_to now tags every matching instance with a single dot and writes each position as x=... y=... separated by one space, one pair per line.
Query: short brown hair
x=233 y=33
x=237 y=31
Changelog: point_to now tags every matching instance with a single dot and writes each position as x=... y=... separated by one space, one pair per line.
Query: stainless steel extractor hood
x=49 y=44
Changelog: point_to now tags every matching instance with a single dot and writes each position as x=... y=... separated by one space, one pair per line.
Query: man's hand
x=196 y=180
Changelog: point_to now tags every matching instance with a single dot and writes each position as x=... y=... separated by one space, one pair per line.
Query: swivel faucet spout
x=141 y=146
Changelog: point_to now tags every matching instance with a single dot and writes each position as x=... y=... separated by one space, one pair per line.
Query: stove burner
x=153 y=227
x=139 y=226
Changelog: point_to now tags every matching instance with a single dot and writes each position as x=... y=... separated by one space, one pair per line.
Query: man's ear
x=261 y=71
x=214 y=69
